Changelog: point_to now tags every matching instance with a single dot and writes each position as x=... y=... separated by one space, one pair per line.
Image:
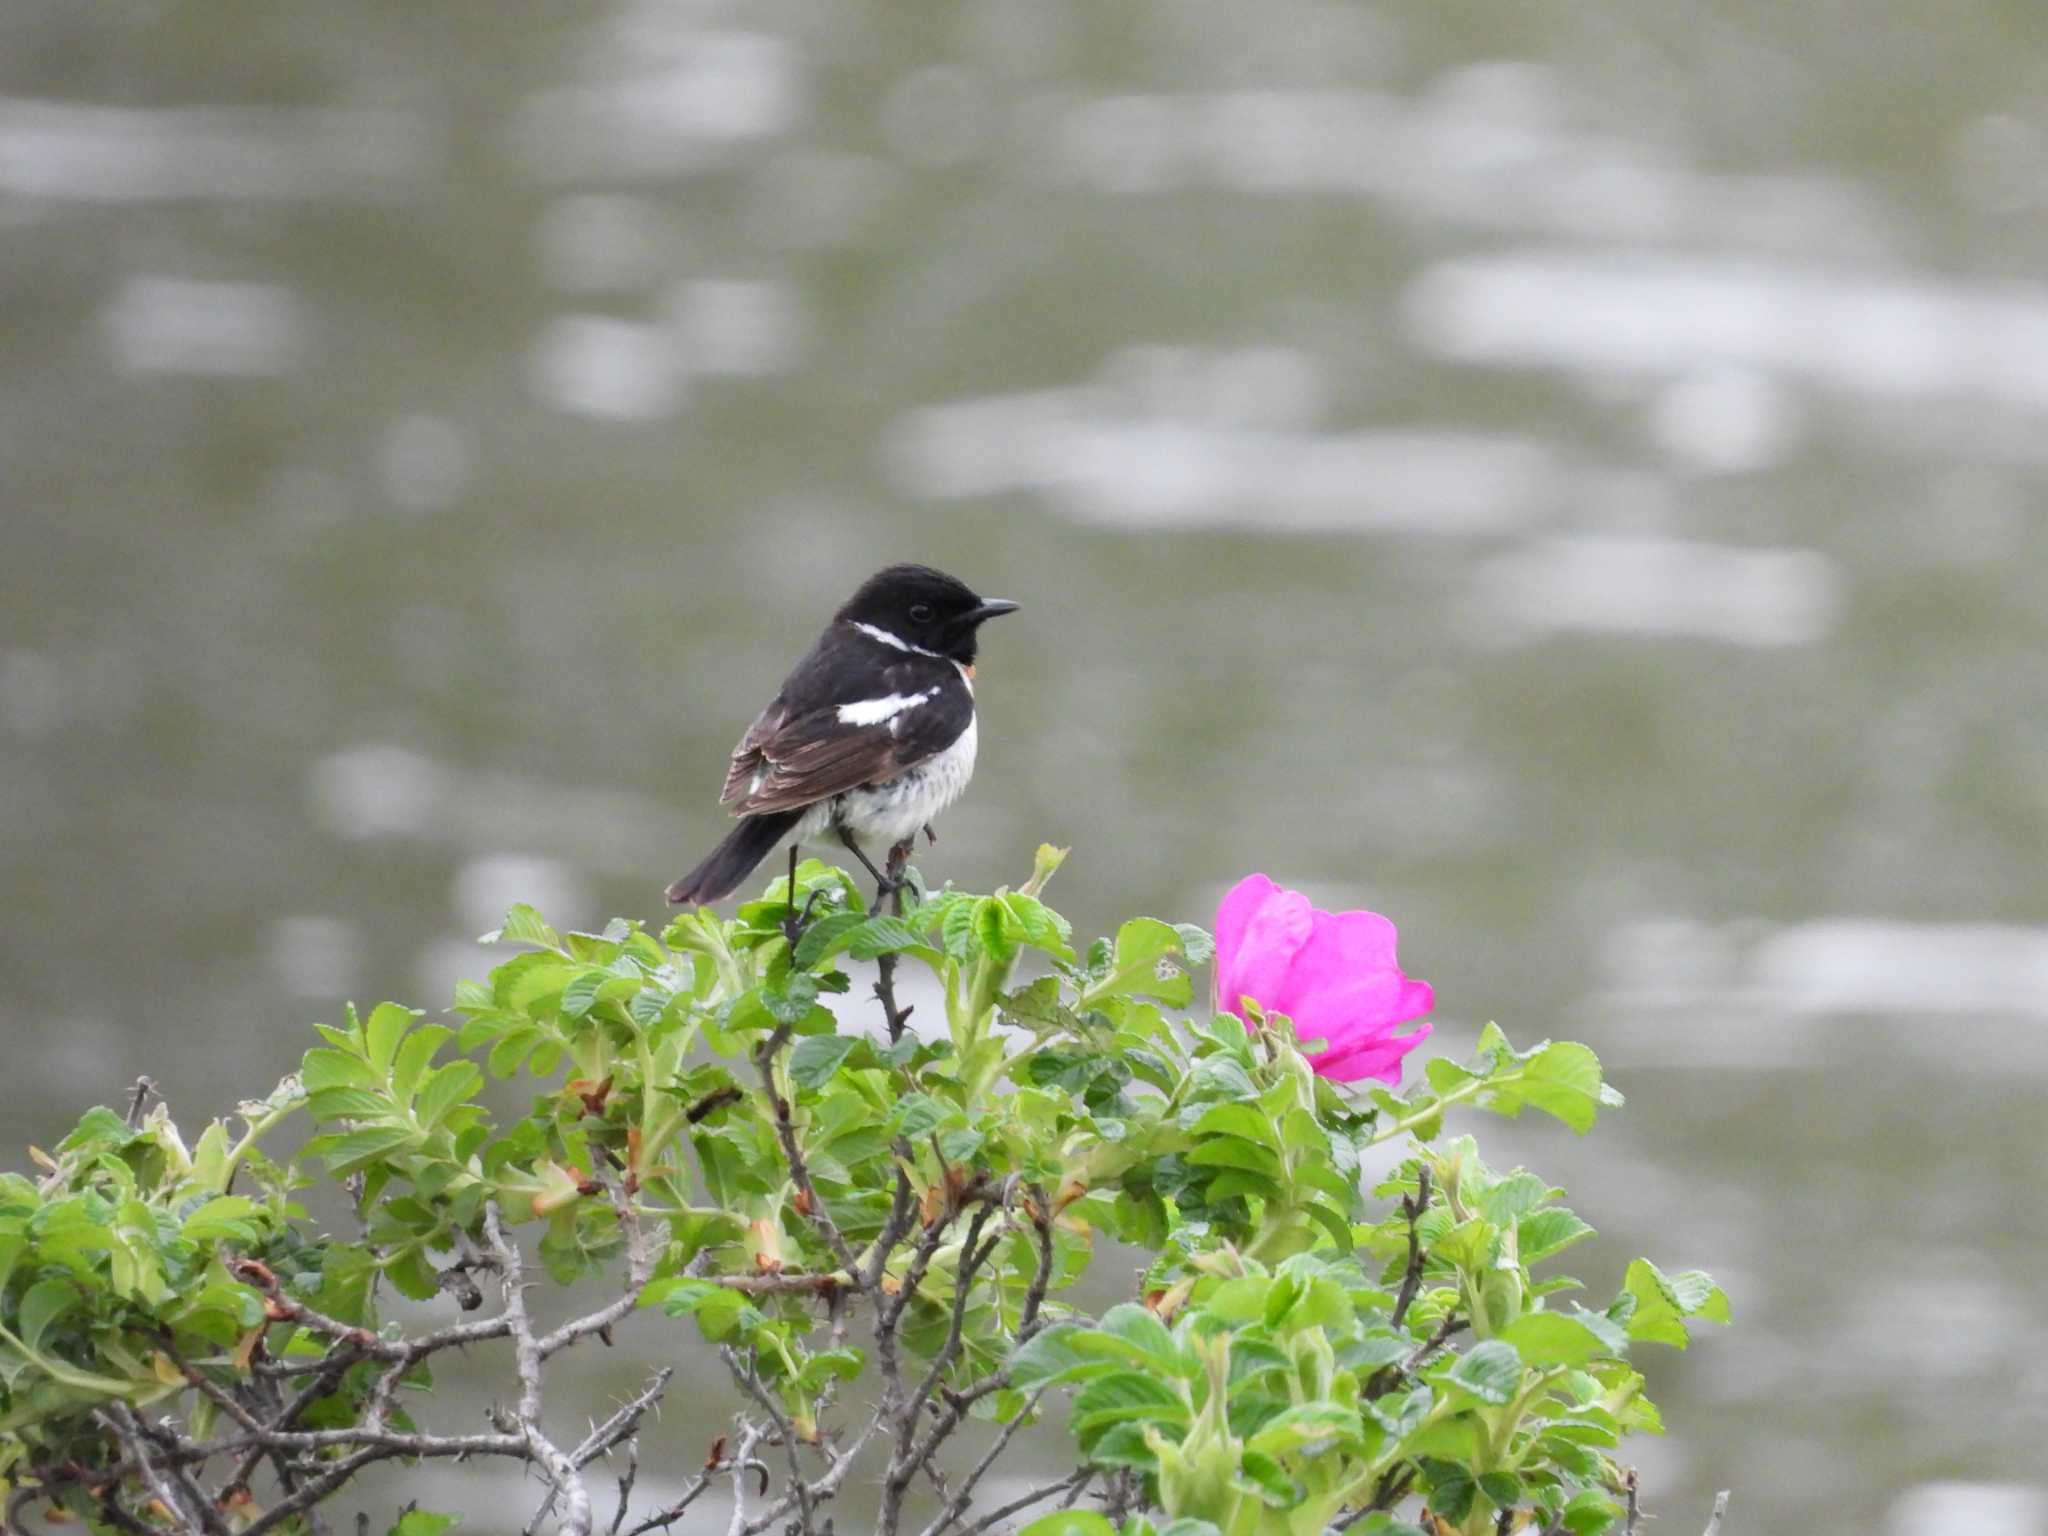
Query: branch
x=1071 y=1484
x=528 y=1355
x=119 y=1418
x=799 y=1170
x=1720 y=1509
x=958 y=1506
x=1412 y=1280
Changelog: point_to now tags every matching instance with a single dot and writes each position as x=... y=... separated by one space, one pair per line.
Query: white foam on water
x=1735 y=987
x=1592 y=584
x=1980 y=1509
x=488 y=886
x=383 y=790
x=216 y=329
x=606 y=369
x=736 y=327
x=1664 y=316
x=599 y=242
x=1093 y=461
x=1486 y=148
x=684 y=107
x=315 y=955
x=82 y=152
x=424 y=462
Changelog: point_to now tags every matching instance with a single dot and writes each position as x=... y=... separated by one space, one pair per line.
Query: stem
x=1407 y=1123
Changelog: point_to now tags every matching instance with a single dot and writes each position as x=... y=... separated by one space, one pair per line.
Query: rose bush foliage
x=1341 y=1317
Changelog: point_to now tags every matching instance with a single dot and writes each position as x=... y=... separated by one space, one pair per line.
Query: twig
x=958 y=1505
x=743 y=1458
x=1720 y=1509
x=662 y=1519
x=792 y=1153
x=626 y=1480
x=749 y=1381
x=120 y=1418
x=1633 y=1484
x=527 y=1354
x=1413 y=1209
x=1071 y=1483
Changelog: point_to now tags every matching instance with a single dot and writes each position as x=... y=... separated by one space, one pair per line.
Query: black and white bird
x=869 y=738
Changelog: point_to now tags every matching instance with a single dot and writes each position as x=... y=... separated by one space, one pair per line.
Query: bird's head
x=923 y=609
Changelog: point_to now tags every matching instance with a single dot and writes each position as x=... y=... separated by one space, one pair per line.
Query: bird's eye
x=921 y=613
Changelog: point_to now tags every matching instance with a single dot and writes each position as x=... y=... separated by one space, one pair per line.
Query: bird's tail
x=734 y=859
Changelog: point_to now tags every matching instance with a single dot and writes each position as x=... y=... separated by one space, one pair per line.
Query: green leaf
x=881 y=936
x=421 y=1522
x=1490 y=1371
x=355 y=1150
x=45 y=1302
x=959 y=1144
x=1138 y=1327
x=1562 y=1079
x=1540 y=1234
x=817 y=1057
x=1662 y=1303
x=388 y=1024
x=326 y=1068
x=1504 y=1489
x=1148 y=964
x=1590 y=1514
x=1070 y=1522
x=1239 y=1120
x=1049 y=1355
x=1307 y=1424
x=231 y=1216
x=918 y=1114
x=1554 y=1338
x=447 y=1087
x=826 y=936
x=1122 y=1395
x=523 y=925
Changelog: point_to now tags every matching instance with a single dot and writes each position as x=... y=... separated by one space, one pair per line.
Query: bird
x=868 y=739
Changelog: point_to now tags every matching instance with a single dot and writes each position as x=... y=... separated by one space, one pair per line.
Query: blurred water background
x=1570 y=478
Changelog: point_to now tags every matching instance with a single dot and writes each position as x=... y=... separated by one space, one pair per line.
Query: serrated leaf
x=388 y=1024
x=817 y=1057
x=445 y=1088
x=42 y=1304
x=354 y=1150
x=826 y=936
x=1555 y=1338
x=1491 y=1371
x=523 y=925
x=1070 y=1522
x=881 y=936
x=1540 y=1234
x=919 y=1114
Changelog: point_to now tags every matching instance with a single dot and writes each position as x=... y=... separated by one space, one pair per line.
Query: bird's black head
x=924 y=609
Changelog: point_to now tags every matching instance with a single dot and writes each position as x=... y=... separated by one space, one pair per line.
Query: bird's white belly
x=886 y=814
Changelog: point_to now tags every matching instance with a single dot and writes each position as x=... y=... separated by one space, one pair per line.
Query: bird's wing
x=852 y=713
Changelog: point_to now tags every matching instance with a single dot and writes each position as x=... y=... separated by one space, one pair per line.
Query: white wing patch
x=875 y=711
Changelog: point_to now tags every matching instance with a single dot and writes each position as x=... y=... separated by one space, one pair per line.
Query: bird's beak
x=990 y=608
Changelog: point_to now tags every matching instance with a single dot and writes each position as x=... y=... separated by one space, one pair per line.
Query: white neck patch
x=897 y=642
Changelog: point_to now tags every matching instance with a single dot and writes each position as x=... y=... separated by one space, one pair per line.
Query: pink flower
x=1332 y=973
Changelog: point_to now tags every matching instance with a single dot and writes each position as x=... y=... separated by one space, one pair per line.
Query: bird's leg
x=930 y=836
x=881 y=880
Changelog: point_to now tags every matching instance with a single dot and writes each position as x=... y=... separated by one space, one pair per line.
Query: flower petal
x=1266 y=927
x=1380 y=1058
